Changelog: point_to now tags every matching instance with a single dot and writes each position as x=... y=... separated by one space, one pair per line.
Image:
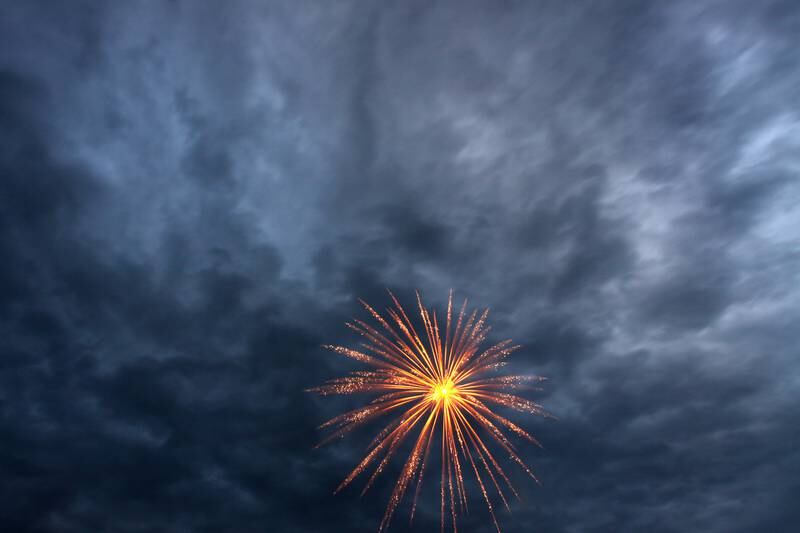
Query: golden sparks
x=435 y=381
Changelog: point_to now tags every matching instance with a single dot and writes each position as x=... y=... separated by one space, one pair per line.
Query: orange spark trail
x=434 y=382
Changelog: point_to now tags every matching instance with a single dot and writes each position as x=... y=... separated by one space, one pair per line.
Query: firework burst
x=434 y=383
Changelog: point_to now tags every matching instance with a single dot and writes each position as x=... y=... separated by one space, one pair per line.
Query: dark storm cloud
x=194 y=195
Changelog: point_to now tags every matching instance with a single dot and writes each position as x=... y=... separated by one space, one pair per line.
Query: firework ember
x=434 y=383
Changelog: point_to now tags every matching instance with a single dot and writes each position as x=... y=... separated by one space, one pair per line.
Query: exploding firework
x=438 y=385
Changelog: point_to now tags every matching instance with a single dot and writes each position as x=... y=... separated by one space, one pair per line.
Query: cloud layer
x=194 y=194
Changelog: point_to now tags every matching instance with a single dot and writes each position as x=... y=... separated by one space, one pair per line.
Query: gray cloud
x=195 y=194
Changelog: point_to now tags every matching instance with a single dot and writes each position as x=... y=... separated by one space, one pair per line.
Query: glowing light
x=437 y=385
x=441 y=391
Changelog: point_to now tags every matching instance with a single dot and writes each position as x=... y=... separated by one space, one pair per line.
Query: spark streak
x=434 y=381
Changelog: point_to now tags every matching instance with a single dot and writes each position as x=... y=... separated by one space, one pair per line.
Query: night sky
x=194 y=194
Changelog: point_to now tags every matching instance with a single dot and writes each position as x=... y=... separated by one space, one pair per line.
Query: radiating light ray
x=433 y=380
